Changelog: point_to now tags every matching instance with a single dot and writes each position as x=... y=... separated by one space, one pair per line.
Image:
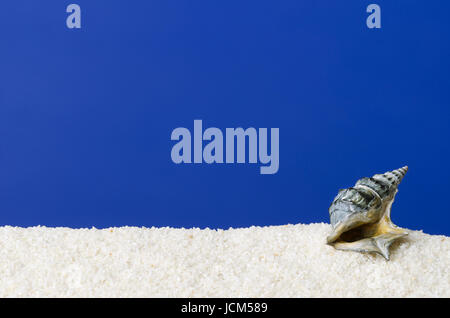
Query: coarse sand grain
x=274 y=261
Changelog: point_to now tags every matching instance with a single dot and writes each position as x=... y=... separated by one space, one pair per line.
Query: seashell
x=361 y=215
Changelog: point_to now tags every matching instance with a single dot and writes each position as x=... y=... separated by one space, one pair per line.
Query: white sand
x=277 y=261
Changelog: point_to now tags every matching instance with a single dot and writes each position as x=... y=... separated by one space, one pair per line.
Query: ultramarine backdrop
x=86 y=115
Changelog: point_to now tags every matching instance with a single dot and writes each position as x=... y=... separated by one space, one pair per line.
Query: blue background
x=86 y=115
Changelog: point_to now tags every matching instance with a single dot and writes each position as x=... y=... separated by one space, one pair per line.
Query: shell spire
x=399 y=173
x=402 y=171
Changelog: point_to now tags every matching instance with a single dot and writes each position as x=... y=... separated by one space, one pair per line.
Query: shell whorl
x=384 y=185
x=351 y=206
x=392 y=177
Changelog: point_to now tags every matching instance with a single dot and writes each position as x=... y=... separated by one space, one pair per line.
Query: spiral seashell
x=360 y=215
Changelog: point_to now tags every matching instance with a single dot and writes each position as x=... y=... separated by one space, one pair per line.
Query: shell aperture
x=360 y=215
